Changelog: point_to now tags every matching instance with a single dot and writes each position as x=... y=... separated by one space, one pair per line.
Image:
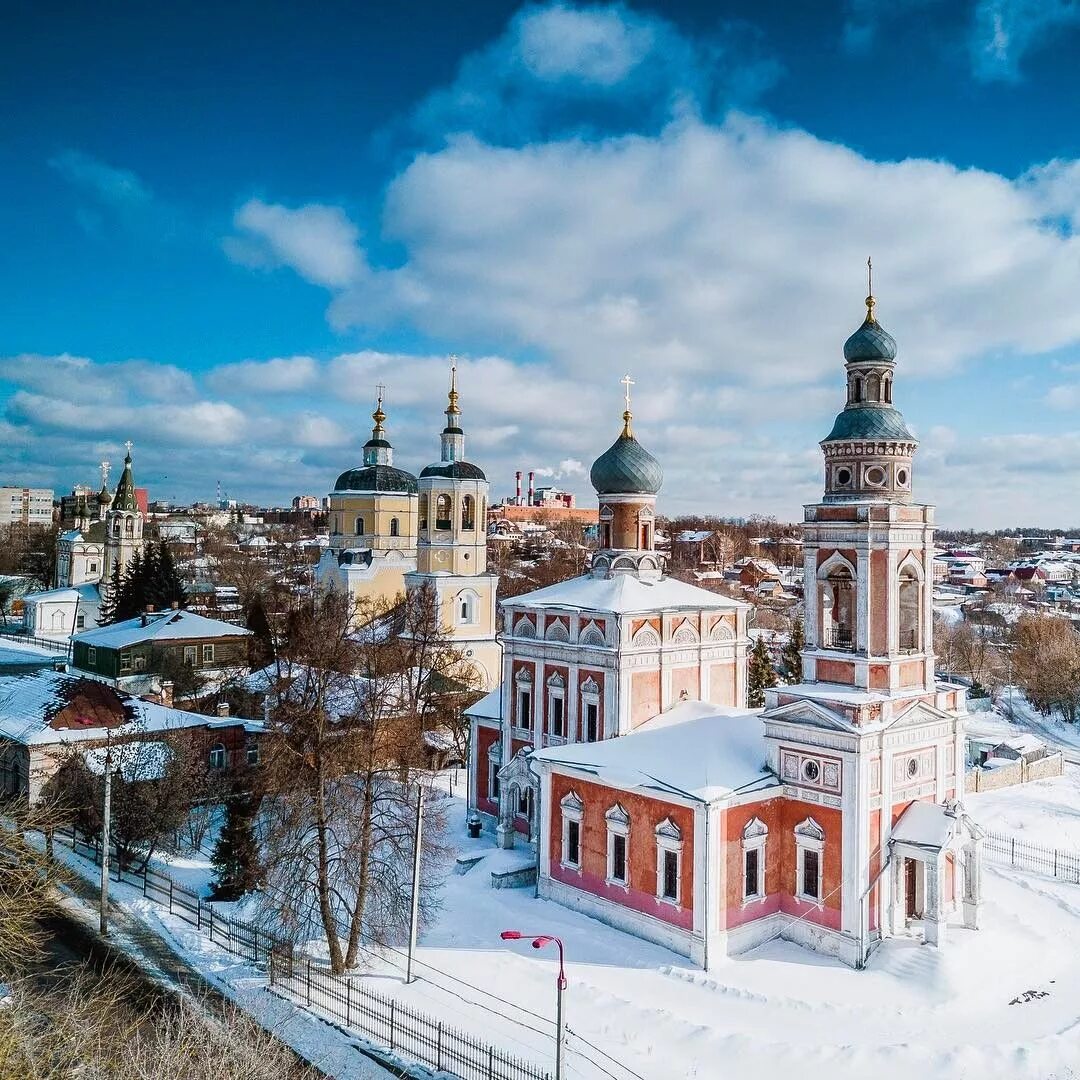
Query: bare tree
x=1046 y=664
x=344 y=747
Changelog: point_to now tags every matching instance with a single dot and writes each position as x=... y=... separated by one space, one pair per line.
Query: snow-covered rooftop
x=623 y=594
x=161 y=626
x=47 y=706
x=925 y=825
x=695 y=749
x=489 y=706
x=69 y=594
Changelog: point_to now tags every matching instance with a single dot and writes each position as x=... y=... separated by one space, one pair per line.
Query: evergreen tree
x=262 y=650
x=163 y=585
x=129 y=597
x=792 y=655
x=760 y=674
x=236 y=853
x=110 y=597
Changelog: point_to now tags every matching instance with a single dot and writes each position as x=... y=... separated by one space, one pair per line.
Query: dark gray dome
x=626 y=468
x=869 y=422
x=870 y=342
x=455 y=470
x=376 y=478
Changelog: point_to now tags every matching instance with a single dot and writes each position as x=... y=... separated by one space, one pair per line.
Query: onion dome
x=377 y=478
x=870 y=343
x=104 y=496
x=378 y=473
x=454 y=470
x=626 y=467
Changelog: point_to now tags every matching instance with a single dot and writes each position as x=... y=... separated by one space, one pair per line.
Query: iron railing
x=1035 y=858
x=838 y=637
x=382 y=1019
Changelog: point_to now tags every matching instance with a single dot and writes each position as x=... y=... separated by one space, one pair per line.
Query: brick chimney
x=175 y=605
x=223 y=708
x=166 y=694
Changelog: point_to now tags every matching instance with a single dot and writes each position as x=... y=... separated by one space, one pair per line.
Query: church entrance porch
x=518 y=801
x=929 y=844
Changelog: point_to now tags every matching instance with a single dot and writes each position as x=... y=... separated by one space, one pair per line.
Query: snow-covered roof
x=623 y=594
x=86 y=593
x=159 y=626
x=694 y=749
x=46 y=706
x=489 y=706
x=140 y=759
x=1023 y=744
x=926 y=825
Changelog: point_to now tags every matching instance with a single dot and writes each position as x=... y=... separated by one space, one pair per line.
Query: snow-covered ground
x=1044 y=812
x=776 y=1012
x=1053 y=730
x=781 y=1010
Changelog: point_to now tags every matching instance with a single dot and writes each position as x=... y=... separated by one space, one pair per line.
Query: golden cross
x=869 y=277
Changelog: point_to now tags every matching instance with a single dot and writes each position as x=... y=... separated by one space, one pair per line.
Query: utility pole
x=104 y=923
x=414 y=915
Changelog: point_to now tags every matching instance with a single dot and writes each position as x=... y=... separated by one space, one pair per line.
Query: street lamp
x=538 y=942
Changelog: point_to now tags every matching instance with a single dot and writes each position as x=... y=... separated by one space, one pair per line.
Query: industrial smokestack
x=532 y=489
x=517 y=488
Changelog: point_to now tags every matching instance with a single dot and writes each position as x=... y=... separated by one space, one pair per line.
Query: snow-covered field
x=1044 y=812
x=781 y=1011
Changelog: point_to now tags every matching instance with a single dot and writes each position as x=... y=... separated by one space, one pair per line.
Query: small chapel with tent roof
x=618 y=744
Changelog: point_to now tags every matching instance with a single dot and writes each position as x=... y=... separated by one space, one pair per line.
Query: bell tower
x=868 y=547
x=123 y=523
x=451 y=548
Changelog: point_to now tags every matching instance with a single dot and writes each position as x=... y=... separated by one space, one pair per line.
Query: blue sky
x=224 y=224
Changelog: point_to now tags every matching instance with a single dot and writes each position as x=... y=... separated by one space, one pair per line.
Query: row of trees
x=761 y=672
x=150 y=579
x=1039 y=654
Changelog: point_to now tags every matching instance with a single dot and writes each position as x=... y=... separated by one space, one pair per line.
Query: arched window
x=646 y=536
x=394 y=527
x=856 y=389
x=838 y=608
x=886 y=386
x=466 y=601
x=468 y=513
x=605 y=535
x=130 y=526
x=442 y=513
x=423 y=511
x=217 y=756
x=359 y=529
x=873 y=388
x=910 y=608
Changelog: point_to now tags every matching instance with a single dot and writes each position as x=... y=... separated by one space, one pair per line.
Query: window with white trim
x=190 y=654
x=754 y=837
x=809 y=845
x=208 y=654
x=556 y=706
x=494 y=763
x=91 y=655
x=590 y=711
x=573 y=810
x=669 y=848
x=618 y=841
x=524 y=699
x=217 y=756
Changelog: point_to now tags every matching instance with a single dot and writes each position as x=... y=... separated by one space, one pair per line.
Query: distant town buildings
x=26 y=506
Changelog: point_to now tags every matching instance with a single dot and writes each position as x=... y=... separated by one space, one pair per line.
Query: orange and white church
x=619 y=746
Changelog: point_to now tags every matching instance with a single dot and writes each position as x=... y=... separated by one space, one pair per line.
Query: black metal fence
x=44 y=643
x=1024 y=855
x=381 y=1019
x=400 y=1027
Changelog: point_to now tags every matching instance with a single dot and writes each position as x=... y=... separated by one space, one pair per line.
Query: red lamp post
x=538 y=942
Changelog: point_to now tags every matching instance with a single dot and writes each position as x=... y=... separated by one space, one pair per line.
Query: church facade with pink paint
x=619 y=748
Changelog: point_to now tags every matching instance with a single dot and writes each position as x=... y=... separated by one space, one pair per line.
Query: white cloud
x=118 y=187
x=281 y=375
x=319 y=242
x=77 y=378
x=1005 y=31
